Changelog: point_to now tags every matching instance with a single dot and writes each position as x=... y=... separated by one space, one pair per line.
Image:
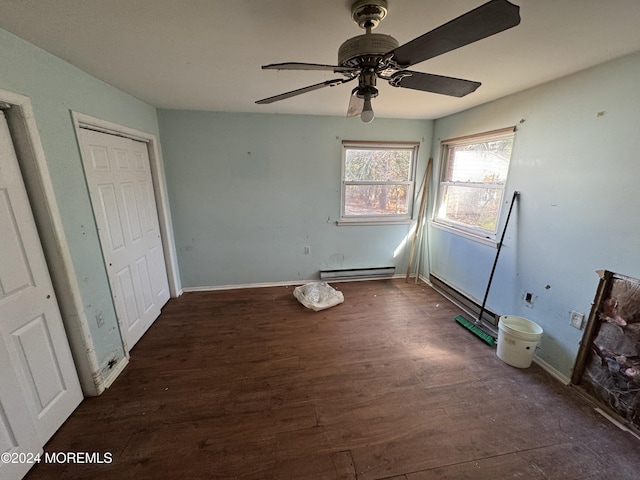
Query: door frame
x=81 y=120
x=37 y=180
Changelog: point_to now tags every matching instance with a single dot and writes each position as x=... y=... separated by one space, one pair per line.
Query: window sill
x=372 y=221
x=491 y=242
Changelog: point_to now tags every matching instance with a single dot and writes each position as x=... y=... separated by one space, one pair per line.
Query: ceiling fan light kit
x=367 y=110
x=374 y=55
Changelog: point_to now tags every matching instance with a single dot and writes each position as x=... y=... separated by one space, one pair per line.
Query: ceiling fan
x=375 y=55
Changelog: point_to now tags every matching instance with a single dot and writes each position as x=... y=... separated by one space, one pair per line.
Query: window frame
x=380 y=219
x=466 y=230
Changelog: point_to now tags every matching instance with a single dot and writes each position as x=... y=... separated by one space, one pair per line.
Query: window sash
x=367 y=212
x=374 y=208
x=481 y=220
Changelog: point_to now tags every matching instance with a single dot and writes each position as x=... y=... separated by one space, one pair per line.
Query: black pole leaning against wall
x=516 y=195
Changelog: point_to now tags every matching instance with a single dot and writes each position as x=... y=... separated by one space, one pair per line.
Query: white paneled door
x=120 y=183
x=39 y=386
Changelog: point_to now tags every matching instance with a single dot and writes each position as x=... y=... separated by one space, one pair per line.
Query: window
x=473 y=176
x=377 y=182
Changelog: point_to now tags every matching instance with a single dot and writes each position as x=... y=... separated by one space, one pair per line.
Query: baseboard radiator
x=462 y=301
x=357 y=273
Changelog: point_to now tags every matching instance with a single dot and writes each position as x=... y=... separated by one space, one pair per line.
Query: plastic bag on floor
x=318 y=295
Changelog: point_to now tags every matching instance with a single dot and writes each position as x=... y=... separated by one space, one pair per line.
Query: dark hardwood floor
x=248 y=384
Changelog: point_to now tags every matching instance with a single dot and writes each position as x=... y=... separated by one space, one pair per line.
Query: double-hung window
x=377 y=181
x=472 y=182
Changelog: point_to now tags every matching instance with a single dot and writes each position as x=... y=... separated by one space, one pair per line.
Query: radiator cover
x=357 y=273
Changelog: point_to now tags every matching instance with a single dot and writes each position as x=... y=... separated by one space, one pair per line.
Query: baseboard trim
x=561 y=377
x=115 y=372
x=211 y=288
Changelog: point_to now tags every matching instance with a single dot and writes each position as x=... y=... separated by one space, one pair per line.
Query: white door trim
x=37 y=179
x=81 y=120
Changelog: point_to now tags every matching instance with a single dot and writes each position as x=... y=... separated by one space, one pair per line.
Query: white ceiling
x=206 y=54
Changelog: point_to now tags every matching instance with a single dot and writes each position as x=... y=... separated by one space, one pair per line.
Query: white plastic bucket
x=517 y=340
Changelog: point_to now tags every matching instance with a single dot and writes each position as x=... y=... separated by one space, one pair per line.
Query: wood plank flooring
x=248 y=384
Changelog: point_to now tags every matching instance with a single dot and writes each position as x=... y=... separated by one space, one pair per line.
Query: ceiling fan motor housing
x=365 y=50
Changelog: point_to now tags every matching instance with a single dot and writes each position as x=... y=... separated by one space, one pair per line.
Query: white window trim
x=476 y=234
x=372 y=219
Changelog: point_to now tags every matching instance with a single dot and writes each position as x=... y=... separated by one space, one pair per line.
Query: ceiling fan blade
x=300 y=91
x=427 y=82
x=356 y=104
x=308 y=66
x=486 y=20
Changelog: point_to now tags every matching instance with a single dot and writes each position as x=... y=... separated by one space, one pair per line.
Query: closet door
x=39 y=386
x=120 y=184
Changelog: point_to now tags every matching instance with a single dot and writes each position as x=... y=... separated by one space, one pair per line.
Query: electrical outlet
x=307 y=250
x=528 y=298
x=576 y=319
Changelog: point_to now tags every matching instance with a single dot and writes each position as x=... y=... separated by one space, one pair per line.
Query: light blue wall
x=578 y=172
x=56 y=88
x=249 y=191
